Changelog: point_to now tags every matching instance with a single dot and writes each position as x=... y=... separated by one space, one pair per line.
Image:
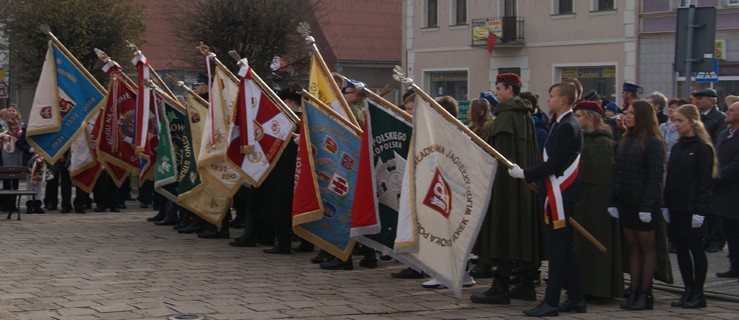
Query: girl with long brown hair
x=635 y=197
x=688 y=192
x=479 y=116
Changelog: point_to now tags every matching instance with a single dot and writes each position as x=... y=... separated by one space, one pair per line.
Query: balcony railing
x=507 y=29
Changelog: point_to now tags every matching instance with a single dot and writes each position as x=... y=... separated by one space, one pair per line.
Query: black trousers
x=563 y=267
x=730 y=229
x=61 y=178
x=712 y=227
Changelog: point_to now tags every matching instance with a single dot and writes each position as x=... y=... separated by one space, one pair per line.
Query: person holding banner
x=559 y=173
x=512 y=230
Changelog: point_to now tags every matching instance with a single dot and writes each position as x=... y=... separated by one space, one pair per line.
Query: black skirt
x=681 y=227
x=629 y=218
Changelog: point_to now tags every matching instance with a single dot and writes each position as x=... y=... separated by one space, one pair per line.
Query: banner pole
x=74 y=60
x=377 y=98
x=308 y=96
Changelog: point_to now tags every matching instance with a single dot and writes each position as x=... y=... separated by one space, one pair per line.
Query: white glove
x=613 y=212
x=666 y=214
x=697 y=221
x=516 y=172
x=296 y=138
x=645 y=217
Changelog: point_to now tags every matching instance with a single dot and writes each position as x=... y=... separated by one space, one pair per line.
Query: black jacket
x=637 y=177
x=563 y=145
x=714 y=123
x=726 y=186
x=689 y=185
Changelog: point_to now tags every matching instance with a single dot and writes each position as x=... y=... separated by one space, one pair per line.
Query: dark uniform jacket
x=563 y=146
x=689 y=186
x=726 y=186
x=637 y=176
x=714 y=123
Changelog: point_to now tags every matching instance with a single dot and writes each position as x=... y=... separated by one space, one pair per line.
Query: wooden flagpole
x=312 y=99
x=379 y=99
x=400 y=77
x=268 y=91
x=106 y=59
x=161 y=82
x=45 y=29
x=205 y=50
x=187 y=89
x=304 y=30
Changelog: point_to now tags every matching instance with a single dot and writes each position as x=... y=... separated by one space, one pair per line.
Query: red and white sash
x=553 y=204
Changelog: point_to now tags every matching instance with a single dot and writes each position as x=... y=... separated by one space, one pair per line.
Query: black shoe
x=696 y=300
x=572 y=306
x=715 y=247
x=336 y=264
x=385 y=257
x=166 y=222
x=194 y=227
x=481 y=271
x=686 y=295
x=79 y=210
x=158 y=217
x=543 y=310
x=182 y=224
x=368 y=262
x=66 y=210
x=236 y=224
x=115 y=208
x=731 y=273
x=408 y=273
x=97 y=209
x=30 y=207
x=305 y=247
x=321 y=257
x=523 y=292
x=209 y=232
x=51 y=208
x=497 y=294
x=242 y=242
x=277 y=250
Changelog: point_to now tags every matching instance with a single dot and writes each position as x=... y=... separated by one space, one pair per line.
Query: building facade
x=544 y=41
x=658 y=21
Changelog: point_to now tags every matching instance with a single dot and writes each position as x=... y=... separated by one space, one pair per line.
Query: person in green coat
x=602 y=274
x=513 y=229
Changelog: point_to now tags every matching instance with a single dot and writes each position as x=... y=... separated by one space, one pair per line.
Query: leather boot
x=524 y=290
x=631 y=295
x=337 y=264
x=687 y=293
x=643 y=301
x=160 y=216
x=183 y=223
x=195 y=226
x=499 y=293
x=38 y=207
x=696 y=300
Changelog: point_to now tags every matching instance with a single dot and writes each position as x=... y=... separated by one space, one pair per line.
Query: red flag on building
x=491 y=41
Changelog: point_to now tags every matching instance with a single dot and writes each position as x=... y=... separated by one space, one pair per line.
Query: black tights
x=642 y=257
x=692 y=269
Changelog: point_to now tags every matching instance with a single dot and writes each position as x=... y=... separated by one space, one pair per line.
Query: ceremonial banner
x=65 y=98
x=116 y=138
x=169 y=151
x=384 y=150
x=319 y=87
x=146 y=118
x=451 y=180
x=208 y=203
x=213 y=162
x=84 y=167
x=259 y=133
x=325 y=174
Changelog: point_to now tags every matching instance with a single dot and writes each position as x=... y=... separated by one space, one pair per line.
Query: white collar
x=562 y=115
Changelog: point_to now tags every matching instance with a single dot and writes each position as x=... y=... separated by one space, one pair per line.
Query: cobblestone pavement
x=117 y=266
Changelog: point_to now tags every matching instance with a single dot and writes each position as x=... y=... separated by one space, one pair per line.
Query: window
x=432 y=13
x=732 y=3
x=509 y=8
x=459 y=12
x=564 y=7
x=604 y=5
x=448 y=83
x=676 y=4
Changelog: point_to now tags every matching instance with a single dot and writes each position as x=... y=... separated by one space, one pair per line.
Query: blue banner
x=78 y=97
x=335 y=150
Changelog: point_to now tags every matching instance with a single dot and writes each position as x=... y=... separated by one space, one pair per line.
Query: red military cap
x=509 y=78
x=589 y=106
